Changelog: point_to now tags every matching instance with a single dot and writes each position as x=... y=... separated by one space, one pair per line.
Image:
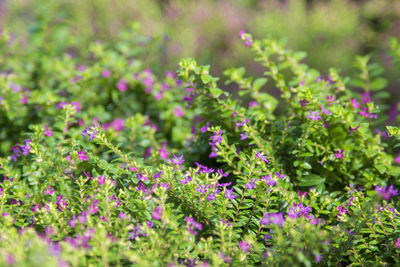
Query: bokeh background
x=331 y=32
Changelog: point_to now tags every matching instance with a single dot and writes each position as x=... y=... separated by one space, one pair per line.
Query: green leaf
x=311 y=180
x=378 y=84
x=259 y=83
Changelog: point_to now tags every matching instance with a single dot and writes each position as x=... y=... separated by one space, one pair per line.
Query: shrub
x=107 y=163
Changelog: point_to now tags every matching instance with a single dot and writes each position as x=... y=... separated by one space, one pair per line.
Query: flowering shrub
x=105 y=162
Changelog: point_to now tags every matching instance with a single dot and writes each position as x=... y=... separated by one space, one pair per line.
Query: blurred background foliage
x=332 y=33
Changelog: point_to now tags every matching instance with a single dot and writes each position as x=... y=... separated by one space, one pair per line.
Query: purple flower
x=220 y=172
x=178 y=161
x=186 y=180
x=280 y=175
x=339 y=154
x=251 y=184
x=298 y=210
x=243 y=136
x=273 y=218
x=304 y=102
x=49 y=190
x=205 y=128
x=229 y=194
x=352 y=129
x=262 y=157
x=193 y=225
x=26 y=148
x=325 y=111
x=212 y=196
x=386 y=193
x=201 y=189
x=314 y=115
x=244 y=246
x=268 y=180
x=91 y=131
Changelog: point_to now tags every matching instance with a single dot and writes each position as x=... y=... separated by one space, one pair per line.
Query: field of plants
x=199 y=133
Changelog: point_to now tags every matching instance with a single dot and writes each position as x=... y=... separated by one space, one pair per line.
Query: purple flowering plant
x=114 y=163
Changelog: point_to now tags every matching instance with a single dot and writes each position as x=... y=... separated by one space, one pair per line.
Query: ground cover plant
x=106 y=162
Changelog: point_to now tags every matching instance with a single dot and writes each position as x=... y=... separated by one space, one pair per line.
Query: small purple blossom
x=339 y=154
x=304 y=102
x=251 y=184
x=229 y=194
x=314 y=115
x=325 y=111
x=243 y=136
x=186 y=180
x=272 y=218
x=298 y=210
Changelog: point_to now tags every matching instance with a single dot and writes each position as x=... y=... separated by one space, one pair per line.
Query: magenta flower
x=365 y=98
x=106 y=73
x=253 y=104
x=101 y=180
x=49 y=191
x=47 y=132
x=355 y=104
x=330 y=99
x=397 y=159
x=94 y=208
x=163 y=153
x=314 y=115
x=178 y=161
x=157 y=213
x=178 y=112
x=201 y=189
x=386 y=193
x=118 y=124
x=82 y=156
x=244 y=246
x=339 y=154
x=122 y=85
x=397 y=243
x=342 y=210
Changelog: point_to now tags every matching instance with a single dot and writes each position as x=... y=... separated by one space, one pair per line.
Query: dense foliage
x=105 y=162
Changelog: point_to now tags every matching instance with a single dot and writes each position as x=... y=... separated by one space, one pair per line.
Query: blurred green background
x=331 y=32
